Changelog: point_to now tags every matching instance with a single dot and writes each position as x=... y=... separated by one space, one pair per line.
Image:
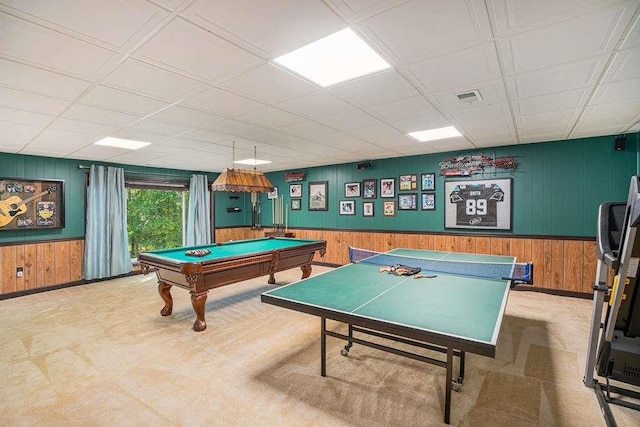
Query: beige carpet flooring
x=101 y=354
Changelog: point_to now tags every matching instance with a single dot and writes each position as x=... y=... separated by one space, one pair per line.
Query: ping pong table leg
x=323 y=347
x=447 y=395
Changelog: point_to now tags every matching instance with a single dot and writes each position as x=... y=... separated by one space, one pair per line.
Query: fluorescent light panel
x=336 y=58
x=433 y=134
x=122 y=143
x=252 y=162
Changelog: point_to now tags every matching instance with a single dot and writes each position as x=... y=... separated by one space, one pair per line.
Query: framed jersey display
x=478 y=204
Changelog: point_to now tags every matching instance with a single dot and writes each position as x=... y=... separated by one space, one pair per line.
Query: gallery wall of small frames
x=414 y=192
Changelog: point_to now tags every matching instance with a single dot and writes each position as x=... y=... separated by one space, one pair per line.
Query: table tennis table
x=450 y=313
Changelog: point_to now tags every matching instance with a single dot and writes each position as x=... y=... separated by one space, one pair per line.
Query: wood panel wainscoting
x=43 y=264
x=561 y=264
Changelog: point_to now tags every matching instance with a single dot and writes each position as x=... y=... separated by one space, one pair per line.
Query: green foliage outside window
x=154 y=219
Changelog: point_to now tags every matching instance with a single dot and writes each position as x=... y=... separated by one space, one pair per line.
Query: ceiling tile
x=415 y=29
x=317 y=104
x=555 y=101
x=31 y=102
x=187 y=116
x=146 y=79
x=38 y=81
x=269 y=84
x=379 y=88
x=24 y=117
x=222 y=59
x=565 y=41
x=160 y=127
x=118 y=100
x=559 y=78
x=625 y=65
x=402 y=109
x=34 y=44
x=119 y=23
x=464 y=67
x=273 y=27
x=222 y=102
x=100 y=116
x=270 y=117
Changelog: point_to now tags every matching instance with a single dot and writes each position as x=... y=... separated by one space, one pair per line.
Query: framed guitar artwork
x=31 y=204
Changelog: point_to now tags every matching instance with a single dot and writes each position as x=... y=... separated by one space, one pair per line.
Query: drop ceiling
x=194 y=76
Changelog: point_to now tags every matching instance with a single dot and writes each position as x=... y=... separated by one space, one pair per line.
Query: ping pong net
x=518 y=273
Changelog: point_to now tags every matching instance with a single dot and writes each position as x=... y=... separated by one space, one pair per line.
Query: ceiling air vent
x=469 y=97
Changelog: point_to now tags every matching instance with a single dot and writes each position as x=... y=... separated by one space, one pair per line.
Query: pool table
x=226 y=263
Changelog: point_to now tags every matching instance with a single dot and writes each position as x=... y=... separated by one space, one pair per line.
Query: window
x=156 y=215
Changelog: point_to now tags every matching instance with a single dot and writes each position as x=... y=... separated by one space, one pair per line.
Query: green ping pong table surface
x=449 y=313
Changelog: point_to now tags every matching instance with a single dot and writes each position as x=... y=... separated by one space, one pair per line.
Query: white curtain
x=106 y=251
x=199 y=216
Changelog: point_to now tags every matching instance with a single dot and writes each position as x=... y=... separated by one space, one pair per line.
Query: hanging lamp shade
x=242 y=181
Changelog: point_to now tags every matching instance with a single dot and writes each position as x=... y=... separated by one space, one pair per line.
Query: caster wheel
x=344 y=352
x=455 y=386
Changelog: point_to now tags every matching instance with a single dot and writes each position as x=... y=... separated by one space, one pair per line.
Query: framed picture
x=369 y=188
x=389 y=208
x=408 y=182
x=428 y=181
x=367 y=208
x=478 y=204
x=347 y=207
x=31 y=204
x=273 y=194
x=428 y=201
x=295 y=191
x=352 y=189
x=387 y=187
x=318 y=196
x=408 y=202
x=296 y=204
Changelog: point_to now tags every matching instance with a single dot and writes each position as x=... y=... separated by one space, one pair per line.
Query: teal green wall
x=19 y=166
x=557 y=188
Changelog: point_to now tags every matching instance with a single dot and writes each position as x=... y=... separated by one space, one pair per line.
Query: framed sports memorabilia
x=347 y=207
x=407 y=202
x=296 y=204
x=318 y=196
x=387 y=187
x=273 y=194
x=389 y=208
x=408 y=182
x=352 y=189
x=367 y=208
x=295 y=190
x=483 y=204
x=428 y=201
x=428 y=181
x=369 y=188
x=31 y=204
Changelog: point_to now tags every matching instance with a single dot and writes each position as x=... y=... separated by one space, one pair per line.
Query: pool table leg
x=306 y=270
x=164 y=289
x=198 y=301
x=272 y=279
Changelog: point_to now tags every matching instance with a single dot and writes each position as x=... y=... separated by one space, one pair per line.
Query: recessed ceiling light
x=433 y=134
x=122 y=143
x=336 y=58
x=252 y=162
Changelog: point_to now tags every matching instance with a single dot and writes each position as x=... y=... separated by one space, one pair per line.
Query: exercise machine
x=614 y=342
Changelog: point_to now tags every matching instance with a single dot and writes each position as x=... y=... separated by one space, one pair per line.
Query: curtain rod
x=143 y=173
